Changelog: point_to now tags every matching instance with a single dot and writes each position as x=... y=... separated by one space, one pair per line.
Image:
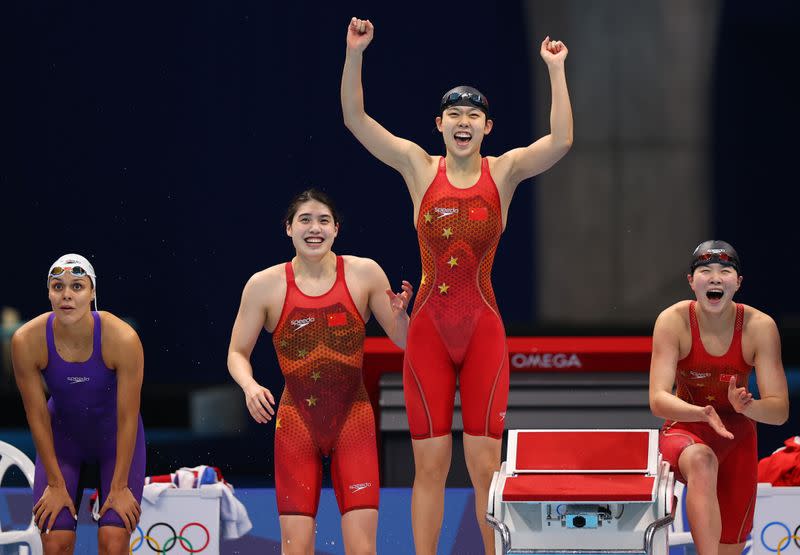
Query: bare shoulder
x=674 y=317
x=31 y=336
x=31 y=331
x=265 y=290
x=498 y=167
x=361 y=267
x=359 y=263
x=119 y=332
x=269 y=276
x=756 y=321
x=267 y=282
x=425 y=168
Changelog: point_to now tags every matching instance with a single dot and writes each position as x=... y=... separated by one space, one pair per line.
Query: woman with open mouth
x=708 y=347
x=316 y=307
x=93 y=365
x=460 y=202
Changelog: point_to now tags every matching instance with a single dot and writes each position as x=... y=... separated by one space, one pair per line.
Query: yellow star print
x=443 y=288
x=312 y=401
x=710 y=398
x=302 y=353
x=316 y=375
x=453 y=261
x=447 y=232
x=283 y=343
x=428 y=217
x=277 y=423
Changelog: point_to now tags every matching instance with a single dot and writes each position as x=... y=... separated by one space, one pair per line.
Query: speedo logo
x=503 y=415
x=698 y=375
x=77 y=379
x=358 y=487
x=444 y=212
x=302 y=323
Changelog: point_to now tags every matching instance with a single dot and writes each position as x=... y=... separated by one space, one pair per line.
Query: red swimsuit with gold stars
x=324 y=409
x=456 y=331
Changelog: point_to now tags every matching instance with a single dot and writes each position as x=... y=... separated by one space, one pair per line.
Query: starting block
x=582 y=492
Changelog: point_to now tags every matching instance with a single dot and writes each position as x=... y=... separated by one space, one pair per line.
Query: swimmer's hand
x=359 y=34
x=399 y=301
x=121 y=499
x=259 y=401
x=553 y=52
x=54 y=498
x=713 y=420
x=739 y=397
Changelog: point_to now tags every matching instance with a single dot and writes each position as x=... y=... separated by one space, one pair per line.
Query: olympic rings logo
x=785 y=541
x=177 y=538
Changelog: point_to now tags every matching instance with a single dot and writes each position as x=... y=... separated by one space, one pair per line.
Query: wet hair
x=715 y=251
x=305 y=196
x=464 y=95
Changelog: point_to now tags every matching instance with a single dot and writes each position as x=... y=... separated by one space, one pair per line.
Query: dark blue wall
x=756 y=114
x=164 y=140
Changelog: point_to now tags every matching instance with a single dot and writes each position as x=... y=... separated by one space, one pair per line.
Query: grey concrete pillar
x=617 y=218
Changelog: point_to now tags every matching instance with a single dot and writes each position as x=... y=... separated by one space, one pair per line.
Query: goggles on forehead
x=477 y=100
x=77 y=271
x=716 y=257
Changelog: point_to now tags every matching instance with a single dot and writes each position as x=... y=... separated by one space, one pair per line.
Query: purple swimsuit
x=83 y=416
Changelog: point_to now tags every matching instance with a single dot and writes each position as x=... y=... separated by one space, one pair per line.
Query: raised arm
x=521 y=163
x=390 y=312
x=403 y=155
x=663 y=365
x=27 y=372
x=246 y=329
x=127 y=358
x=772 y=406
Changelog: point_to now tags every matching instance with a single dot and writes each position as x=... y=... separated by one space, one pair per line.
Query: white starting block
x=582 y=492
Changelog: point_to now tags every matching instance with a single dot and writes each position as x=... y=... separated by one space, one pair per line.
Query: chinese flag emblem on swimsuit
x=337 y=319
x=478 y=214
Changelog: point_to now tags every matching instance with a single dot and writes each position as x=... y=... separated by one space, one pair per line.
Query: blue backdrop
x=164 y=141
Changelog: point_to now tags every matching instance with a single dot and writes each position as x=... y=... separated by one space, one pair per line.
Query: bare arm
x=390 y=312
x=402 y=155
x=27 y=372
x=521 y=163
x=249 y=322
x=773 y=405
x=127 y=358
x=663 y=365
x=129 y=363
x=29 y=381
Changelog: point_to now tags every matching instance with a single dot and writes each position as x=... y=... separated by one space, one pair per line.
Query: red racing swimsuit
x=324 y=409
x=702 y=379
x=456 y=331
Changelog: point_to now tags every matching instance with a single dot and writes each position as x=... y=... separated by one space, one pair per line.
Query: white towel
x=234 y=519
x=151 y=492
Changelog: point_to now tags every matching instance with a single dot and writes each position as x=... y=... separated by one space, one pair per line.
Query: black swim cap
x=464 y=96
x=715 y=252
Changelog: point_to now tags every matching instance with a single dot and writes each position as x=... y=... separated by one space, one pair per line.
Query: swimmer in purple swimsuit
x=93 y=365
